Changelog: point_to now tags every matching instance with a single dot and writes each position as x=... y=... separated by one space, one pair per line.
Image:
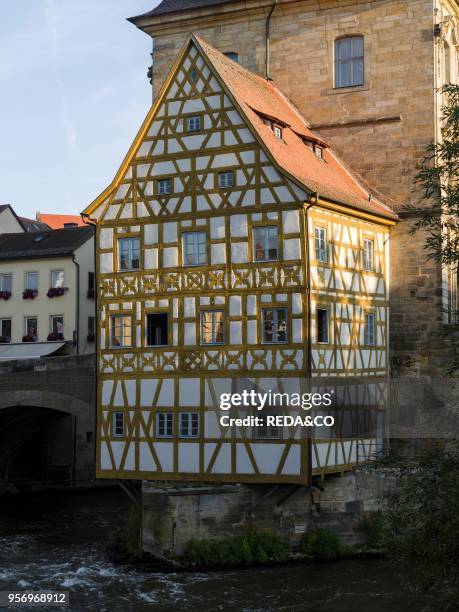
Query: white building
x=46 y=292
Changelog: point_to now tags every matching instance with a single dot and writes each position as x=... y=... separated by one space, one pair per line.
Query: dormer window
x=274 y=127
x=277 y=131
x=319 y=152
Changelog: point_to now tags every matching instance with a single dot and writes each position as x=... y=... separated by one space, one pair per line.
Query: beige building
x=364 y=74
x=46 y=292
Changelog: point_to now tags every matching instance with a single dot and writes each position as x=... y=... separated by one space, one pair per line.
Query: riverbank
x=59 y=541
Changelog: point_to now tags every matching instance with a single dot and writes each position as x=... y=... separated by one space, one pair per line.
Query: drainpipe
x=267 y=24
x=77 y=265
x=313 y=200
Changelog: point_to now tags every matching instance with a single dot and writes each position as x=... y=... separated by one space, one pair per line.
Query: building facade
x=47 y=292
x=365 y=75
x=233 y=248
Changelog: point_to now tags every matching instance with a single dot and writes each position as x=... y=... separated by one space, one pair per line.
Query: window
x=57 y=278
x=164 y=424
x=193 y=124
x=320 y=234
x=194 y=75
x=274 y=321
x=118 y=424
x=91 y=282
x=349 y=61
x=56 y=324
x=6 y=282
x=129 y=253
x=368 y=254
x=232 y=56
x=189 y=425
x=157 y=329
x=319 y=152
x=5 y=330
x=163 y=186
x=265 y=431
x=322 y=325
x=369 y=332
x=277 y=131
x=120 y=331
x=31 y=327
x=225 y=179
x=212 y=327
x=91 y=326
x=194 y=249
x=266 y=243
x=31 y=280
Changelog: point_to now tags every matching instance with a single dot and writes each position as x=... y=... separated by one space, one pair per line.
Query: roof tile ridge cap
x=366 y=191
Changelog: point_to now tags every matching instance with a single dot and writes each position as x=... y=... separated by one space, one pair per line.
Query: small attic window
x=277 y=131
x=38 y=238
x=319 y=151
x=232 y=55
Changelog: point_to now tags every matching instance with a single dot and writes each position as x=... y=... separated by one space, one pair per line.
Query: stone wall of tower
x=380 y=129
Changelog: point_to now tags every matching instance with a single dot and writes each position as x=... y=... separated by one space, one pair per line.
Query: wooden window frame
x=120 y=238
x=166 y=415
x=369 y=313
x=187 y=117
x=351 y=60
x=115 y=414
x=316 y=251
x=365 y=261
x=118 y=315
x=262 y=225
x=183 y=233
x=190 y=414
x=327 y=310
x=152 y=311
x=205 y=310
x=157 y=180
x=264 y=308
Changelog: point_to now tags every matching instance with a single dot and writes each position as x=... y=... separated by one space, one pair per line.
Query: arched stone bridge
x=47 y=421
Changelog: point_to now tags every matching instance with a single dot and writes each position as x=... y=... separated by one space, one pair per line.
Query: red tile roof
x=256 y=96
x=58 y=221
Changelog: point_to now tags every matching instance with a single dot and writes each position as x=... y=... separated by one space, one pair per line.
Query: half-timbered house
x=232 y=245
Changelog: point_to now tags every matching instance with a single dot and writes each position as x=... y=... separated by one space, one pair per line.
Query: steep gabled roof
x=258 y=98
x=50 y=243
x=4 y=207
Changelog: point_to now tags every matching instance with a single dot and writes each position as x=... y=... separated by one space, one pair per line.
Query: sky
x=73 y=93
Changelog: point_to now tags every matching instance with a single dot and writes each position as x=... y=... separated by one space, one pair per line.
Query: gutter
x=77 y=265
x=267 y=40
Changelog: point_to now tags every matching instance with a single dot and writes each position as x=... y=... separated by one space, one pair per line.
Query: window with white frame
x=31 y=327
x=164 y=186
x=349 y=59
x=266 y=243
x=212 y=327
x=31 y=280
x=368 y=254
x=320 y=235
x=129 y=253
x=6 y=282
x=225 y=179
x=120 y=330
x=322 y=326
x=189 y=425
x=5 y=330
x=57 y=278
x=277 y=130
x=319 y=152
x=193 y=123
x=157 y=328
x=118 y=424
x=274 y=322
x=194 y=248
x=56 y=324
x=370 y=329
x=164 y=424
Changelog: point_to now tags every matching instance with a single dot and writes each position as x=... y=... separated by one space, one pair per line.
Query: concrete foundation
x=174 y=514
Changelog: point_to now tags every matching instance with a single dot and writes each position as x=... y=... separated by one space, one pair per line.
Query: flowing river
x=58 y=541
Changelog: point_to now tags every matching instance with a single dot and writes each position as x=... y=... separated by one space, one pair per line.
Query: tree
x=438 y=177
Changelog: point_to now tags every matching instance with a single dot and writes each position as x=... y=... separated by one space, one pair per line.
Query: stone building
x=364 y=74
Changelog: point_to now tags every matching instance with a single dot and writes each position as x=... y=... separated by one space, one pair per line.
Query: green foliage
x=322 y=544
x=373 y=527
x=129 y=535
x=254 y=546
x=421 y=525
x=438 y=178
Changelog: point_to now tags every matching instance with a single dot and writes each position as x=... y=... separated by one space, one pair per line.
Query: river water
x=58 y=541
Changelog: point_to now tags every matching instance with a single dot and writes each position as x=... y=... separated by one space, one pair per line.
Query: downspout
x=313 y=200
x=267 y=24
x=77 y=265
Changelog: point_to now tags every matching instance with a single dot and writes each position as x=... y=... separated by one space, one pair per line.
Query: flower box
x=91 y=337
x=5 y=295
x=29 y=294
x=29 y=338
x=56 y=291
x=5 y=339
x=52 y=337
